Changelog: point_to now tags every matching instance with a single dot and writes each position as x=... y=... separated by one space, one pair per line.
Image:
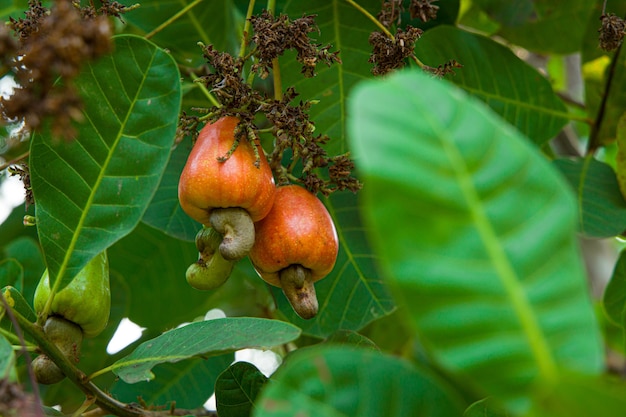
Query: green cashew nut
x=68 y=337
x=86 y=300
x=211 y=270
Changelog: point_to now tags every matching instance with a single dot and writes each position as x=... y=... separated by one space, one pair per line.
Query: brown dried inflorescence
x=23 y=172
x=423 y=9
x=390 y=13
x=274 y=35
x=53 y=47
x=389 y=54
x=444 y=69
x=15 y=402
x=612 y=32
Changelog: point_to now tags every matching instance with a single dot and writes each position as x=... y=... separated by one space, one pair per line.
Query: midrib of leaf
x=340 y=84
x=517 y=102
x=92 y=194
x=508 y=277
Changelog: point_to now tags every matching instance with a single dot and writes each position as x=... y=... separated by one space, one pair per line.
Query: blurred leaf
x=353 y=294
x=153 y=267
x=347 y=30
x=580 y=396
x=7 y=358
x=544 y=26
x=614 y=299
x=487 y=407
x=335 y=381
x=93 y=190
x=26 y=250
x=205 y=22
x=492 y=72
x=189 y=384
x=11 y=273
x=164 y=212
x=486 y=262
x=203 y=338
x=237 y=388
x=601 y=207
x=12 y=8
x=351 y=339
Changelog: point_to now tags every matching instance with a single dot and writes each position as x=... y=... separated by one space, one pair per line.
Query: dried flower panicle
x=390 y=13
x=23 y=172
x=444 y=69
x=53 y=45
x=612 y=32
x=274 y=35
x=389 y=54
x=423 y=9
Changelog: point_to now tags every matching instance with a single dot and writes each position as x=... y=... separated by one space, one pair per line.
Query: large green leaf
x=165 y=212
x=354 y=294
x=93 y=190
x=7 y=358
x=203 y=338
x=492 y=72
x=11 y=273
x=601 y=207
x=347 y=382
x=614 y=300
x=478 y=231
x=189 y=384
x=547 y=26
x=27 y=252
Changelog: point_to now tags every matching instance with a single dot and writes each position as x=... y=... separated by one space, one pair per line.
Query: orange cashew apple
x=228 y=195
x=296 y=245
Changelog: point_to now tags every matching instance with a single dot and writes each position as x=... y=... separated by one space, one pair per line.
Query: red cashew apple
x=227 y=195
x=296 y=245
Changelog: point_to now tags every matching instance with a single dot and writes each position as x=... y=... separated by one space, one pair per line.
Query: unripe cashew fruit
x=86 y=300
x=296 y=245
x=208 y=185
x=68 y=337
x=211 y=270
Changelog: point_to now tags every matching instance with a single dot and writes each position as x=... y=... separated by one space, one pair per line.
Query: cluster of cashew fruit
x=286 y=231
x=81 y=309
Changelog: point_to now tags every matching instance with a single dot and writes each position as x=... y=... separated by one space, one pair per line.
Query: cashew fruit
x=86 y=300
x=212 y=183
x=68 y=337
x=296 y=245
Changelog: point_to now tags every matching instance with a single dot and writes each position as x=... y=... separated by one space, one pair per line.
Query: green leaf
x=334 y=382
x=11 y=273
x=205 y=22
x=18 y=303
x=93 y=190
x=546 y=26
x=351 y=339
x=487 y=407
x=7 y=358
x=478 y=231
x=353 y=294
x=164 y=212
x=27 y=252
x=614 y=299
x=189 y=384
x=492 y=72
x=203 y=338
x=237 y=388
x=601 y=207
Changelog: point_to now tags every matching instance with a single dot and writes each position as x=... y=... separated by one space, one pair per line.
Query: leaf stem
x=372 y=18
x=172 y=19
x=14 y=160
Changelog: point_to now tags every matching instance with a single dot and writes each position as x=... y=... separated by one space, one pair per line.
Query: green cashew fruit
x=85 y=301
x=211 y=270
